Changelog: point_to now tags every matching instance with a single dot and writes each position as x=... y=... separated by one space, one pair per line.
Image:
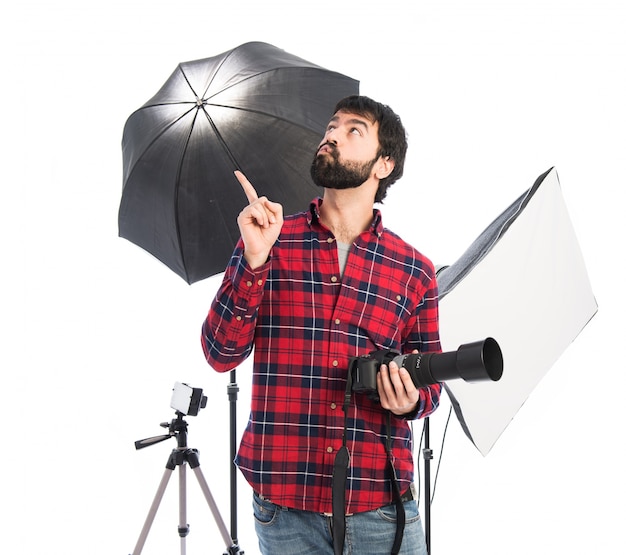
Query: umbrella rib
x=172 y=103
x=259 y=74
x=222 y=62
x=205 y=101
x=221 y=139
x=177 y=181
x=233 y=239
x=157 y=137
x=254 y=76
x=262 y=113
x=178 y=178
x=187 y=81
x=224 y=144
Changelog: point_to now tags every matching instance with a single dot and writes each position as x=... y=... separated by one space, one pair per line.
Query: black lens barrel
x=473 y=362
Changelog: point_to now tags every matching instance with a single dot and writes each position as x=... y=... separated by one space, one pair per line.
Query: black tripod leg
x=153 y=510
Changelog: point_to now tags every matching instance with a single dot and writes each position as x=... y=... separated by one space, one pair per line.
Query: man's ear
x=384 y=167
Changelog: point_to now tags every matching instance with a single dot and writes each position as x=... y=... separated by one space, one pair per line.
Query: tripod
x=180 y=456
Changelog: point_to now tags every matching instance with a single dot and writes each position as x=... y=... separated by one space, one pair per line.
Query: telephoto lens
x=473 y=362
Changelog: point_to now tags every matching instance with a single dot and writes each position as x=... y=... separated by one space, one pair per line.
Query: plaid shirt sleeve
x=228 y=331
x=305 y=320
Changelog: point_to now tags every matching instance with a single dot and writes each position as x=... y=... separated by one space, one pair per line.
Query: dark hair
x=391 y=134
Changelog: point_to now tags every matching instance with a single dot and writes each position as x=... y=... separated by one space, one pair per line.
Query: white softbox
x=523 y=282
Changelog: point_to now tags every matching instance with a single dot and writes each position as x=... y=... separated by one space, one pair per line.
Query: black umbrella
x=255 y=108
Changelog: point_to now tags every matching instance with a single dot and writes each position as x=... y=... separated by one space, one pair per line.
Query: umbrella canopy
x=523 y=281
x=255 y=108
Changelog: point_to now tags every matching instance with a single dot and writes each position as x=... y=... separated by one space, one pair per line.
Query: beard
x=331 y=173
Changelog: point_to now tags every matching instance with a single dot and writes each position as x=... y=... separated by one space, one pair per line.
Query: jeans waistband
x=408 y=495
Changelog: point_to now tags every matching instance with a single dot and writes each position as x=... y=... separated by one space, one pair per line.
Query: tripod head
x=177 y=428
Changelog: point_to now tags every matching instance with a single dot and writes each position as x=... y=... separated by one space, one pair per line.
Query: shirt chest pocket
x=381 y=320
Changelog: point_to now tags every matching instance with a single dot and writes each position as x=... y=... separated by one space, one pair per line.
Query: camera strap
x=340 y=475
x=397 y=496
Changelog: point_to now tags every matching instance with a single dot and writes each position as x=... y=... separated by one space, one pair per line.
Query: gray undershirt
x=342 y=253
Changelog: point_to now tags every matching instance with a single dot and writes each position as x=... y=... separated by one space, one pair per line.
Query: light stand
x=179 y=457
x=428 y=456
x=232 y=390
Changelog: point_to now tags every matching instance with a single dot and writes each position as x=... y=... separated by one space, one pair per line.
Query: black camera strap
x=340 y=475
x=397 y=496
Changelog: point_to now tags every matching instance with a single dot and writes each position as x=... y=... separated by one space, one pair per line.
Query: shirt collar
x=313 y=217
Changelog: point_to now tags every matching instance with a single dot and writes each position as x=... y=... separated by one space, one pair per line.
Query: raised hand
x=259 y=223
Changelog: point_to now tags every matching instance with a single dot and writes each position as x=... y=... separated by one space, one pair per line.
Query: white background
x=95 y=331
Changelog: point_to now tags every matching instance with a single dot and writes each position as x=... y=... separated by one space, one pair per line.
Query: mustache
x=331 y=146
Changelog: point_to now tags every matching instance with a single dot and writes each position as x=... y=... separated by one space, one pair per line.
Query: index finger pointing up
x=247 y=187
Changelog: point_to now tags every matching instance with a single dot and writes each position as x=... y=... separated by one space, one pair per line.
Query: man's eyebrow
x=358 y=121
x=353 y=121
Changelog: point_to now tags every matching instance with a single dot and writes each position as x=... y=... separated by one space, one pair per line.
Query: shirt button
x=333 y=279
x=238 y=318
x=399 y=298
x=335 y=363
x=337 y=321
x=260 y=282
x=249 y=283
x=333 y=406
x=329 y=240
x=329 y=449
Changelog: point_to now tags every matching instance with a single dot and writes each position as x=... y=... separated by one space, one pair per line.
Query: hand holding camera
x=473 y=362
x=396 y=389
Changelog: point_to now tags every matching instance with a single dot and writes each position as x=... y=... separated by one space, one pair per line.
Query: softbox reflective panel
x=523 y=281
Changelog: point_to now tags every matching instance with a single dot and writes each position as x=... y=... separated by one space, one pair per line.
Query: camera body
x=473 y=362
x=364 y=370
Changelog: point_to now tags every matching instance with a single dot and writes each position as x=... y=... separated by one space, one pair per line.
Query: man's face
x=347 y=154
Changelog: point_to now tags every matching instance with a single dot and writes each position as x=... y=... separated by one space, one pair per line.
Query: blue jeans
x=291 y=532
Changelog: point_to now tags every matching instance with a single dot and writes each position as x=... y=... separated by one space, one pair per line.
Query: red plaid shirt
x=305 y=321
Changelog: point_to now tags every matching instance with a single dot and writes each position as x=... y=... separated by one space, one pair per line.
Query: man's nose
x=331 y=137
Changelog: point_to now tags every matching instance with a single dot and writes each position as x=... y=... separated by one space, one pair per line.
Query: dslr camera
x=473 y=362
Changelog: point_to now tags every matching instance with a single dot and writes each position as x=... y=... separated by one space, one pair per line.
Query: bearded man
x=308 y=293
